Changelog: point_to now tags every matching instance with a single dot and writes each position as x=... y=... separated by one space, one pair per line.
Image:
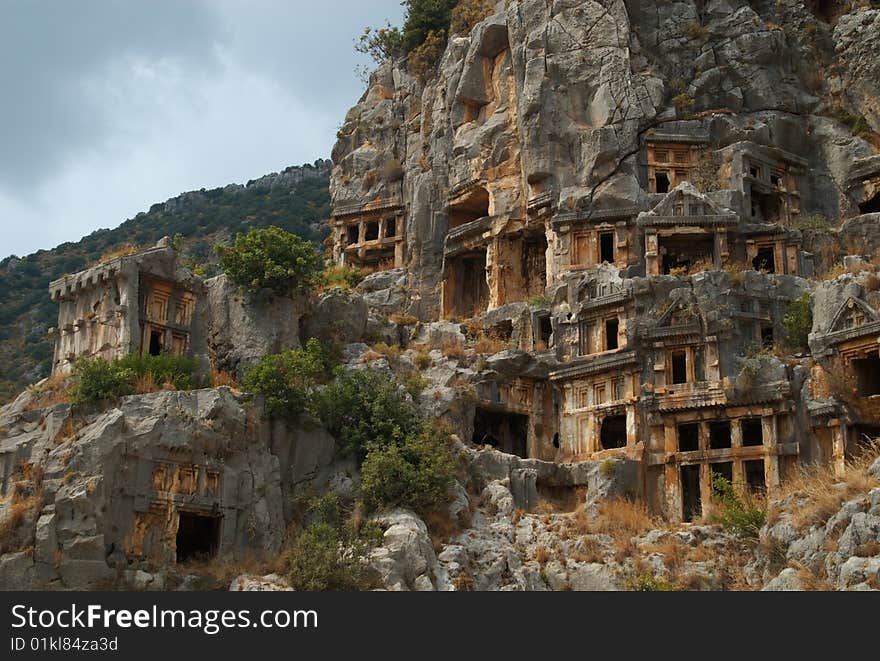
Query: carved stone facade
x=142 y=303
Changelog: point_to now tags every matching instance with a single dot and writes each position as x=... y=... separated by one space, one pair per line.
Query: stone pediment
x=685 y=204
x=853 y=314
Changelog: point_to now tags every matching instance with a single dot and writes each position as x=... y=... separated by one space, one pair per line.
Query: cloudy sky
x=110 y=105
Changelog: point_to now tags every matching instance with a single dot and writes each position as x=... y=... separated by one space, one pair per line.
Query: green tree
x=364 y=409
x=798 y=322
x=287 y=379
x=416 y=474
x=271 y=259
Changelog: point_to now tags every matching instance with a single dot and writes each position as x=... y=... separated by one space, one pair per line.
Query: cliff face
x=550 y=103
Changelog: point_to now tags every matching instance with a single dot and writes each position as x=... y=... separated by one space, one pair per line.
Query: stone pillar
x=736 y=441
x=652 y=260
x=673 y=475
x=771 y=458
x=838 y=448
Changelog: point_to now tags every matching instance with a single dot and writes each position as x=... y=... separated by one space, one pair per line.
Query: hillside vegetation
x=295 y=200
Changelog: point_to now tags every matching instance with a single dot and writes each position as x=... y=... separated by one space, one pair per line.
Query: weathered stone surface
x=240 y=329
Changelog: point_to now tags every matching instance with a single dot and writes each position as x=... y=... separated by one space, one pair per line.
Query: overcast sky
x=107 y=106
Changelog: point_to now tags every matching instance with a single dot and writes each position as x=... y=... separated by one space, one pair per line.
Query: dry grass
x=422 y=360
x=441 y=528
x=220 y=572
x=490 y=345
x=673 y=551
x=122 y=251
x=587 y=549
x=390 y=351
x=620 y=519
x=403 y=319
x=220 y=378
x=542 y=555
x=464 y=582
x=815 y=493
x=452 y=349
x=51 y=392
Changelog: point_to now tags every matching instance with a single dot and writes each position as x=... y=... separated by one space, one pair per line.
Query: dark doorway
x=867 y=371
x=692 y=503
x=689 y=437
x=507 y=432
x=685 y=251
x=765 y=207
x=719 y=434
x=767 y=337
x=662 y=182
x=613 y=434
x=723 y=469
x=606 y=247
x=871 y=206
x=467 y=292
x=534 y=265
x=764 y=260
x=754 y=471
x=371 y=231
x=752 y=432
x=352 y=234
x=198 y=536
x=155 y=348
x=612 y=326
x=679 y=367
x=545 y=330
x=390 y=228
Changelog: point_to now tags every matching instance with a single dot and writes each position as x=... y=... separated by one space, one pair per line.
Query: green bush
x=96 y=379
x=416 y=474
x=364 y=408
x=346 y=277
x=271 y=259
x=287 y=380
x=739 y=513
x=798 y=322
x=330 y=554
x=648 y=583
x=421 y=18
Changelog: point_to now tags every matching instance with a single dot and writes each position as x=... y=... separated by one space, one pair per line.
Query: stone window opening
x=471 y=207
x=679 y=367
x=719 y=435
x=390 y=228
x=661 y=182
x=689 y=437
x=198 y=536
x=466 y=291
x=867 y=371
x=691 y=500
x=768 y=340
x=723 y=469
x=765 y=260
x=754 y=473
x=613 y=432
x=545 y=331
x=766 y=207
x=775 y=180
x=606 y=247
x=755 y=171
x=612 y=326
x=155 y=347
x=682 y=251
x=871 y=205
x=371 y=231
x=508 y=432
x=352 y=234
x=752 y=432
x=556 y=440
